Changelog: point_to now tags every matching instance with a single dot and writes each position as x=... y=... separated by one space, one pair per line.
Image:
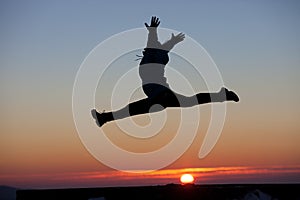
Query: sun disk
x=187 y=179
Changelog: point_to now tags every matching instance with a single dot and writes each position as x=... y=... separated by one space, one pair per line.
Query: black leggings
x=165 y=97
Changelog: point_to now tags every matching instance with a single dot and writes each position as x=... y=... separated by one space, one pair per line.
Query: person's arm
x=175 y=39
x=152 y=33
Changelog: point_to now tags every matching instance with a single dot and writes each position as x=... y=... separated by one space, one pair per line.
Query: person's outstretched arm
x=152 y=35
x=175 y=39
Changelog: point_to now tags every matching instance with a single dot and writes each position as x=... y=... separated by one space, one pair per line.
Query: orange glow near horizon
x=218 y=175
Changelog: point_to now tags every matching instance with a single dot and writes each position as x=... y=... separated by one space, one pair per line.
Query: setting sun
x=186 y=179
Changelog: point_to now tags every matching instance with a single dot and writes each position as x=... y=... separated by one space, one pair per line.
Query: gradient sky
x=255 y=45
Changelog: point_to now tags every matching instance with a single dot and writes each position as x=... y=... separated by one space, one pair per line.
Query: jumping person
x=154 y=83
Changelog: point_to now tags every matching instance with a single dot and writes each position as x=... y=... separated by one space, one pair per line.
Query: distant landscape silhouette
x=154 y=83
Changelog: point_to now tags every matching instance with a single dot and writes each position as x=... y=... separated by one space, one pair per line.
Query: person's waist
x=154 y=83
x=154 y=50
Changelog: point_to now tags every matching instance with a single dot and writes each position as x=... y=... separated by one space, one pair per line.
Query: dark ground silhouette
x=154 y=83
x=171 y=191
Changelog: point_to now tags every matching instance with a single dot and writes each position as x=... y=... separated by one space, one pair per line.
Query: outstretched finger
x=153 y=19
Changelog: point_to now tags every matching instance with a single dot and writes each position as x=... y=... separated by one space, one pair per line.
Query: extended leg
x=136 y=108
x=223 y=95
x=203 y=98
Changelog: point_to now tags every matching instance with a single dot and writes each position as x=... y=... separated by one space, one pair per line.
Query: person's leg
x=166 y=98
x=136 y=108
x=223 y=95
x=202 y=98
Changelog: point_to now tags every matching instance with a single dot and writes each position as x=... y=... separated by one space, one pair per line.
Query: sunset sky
x=255 y=45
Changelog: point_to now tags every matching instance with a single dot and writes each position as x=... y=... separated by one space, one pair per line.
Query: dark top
x=155 y=58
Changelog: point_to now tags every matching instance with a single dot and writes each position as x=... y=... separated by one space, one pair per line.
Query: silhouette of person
x=154 y=83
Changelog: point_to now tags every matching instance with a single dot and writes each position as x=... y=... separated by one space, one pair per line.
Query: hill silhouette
x=171 y=191
x=7 y=193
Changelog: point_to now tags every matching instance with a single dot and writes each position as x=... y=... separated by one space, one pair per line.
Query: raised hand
x=177 y=38
x=154 y=22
